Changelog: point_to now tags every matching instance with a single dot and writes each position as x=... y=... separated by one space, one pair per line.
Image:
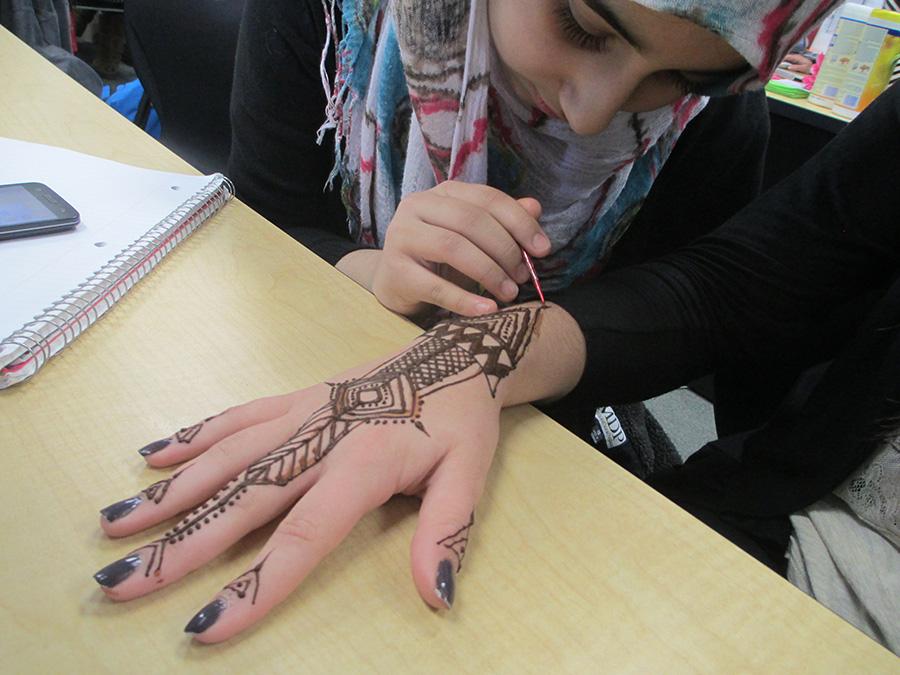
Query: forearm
x=553 y=360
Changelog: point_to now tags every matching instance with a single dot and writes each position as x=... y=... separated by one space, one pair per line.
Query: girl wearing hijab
x=575 y=122
x=461 y=122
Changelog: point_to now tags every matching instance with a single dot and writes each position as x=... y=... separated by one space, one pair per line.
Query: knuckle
x=450 y=242
x=436 y=294
x=494 y=276
x=411 y=200
x=220 y=453
x=512 y=254
x=299 y=529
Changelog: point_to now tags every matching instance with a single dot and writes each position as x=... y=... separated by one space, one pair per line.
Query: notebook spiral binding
x=64 y=320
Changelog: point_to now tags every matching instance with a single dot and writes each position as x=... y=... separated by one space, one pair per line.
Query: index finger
x=310 y=531
x=511 y=213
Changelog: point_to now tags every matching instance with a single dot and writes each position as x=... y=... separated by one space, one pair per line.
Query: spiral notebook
x=53 y=287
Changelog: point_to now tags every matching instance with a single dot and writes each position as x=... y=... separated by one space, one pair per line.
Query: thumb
x=445 y=523
x=532 y=205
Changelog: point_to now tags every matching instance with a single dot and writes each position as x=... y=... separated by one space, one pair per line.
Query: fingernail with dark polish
x=114 y=574
x=120 y=509
x=445 y=586
x=206 y=617
x=154 y=447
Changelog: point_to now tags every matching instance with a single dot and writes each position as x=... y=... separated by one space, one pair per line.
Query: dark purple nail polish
x=206 y=617
x=120 y=509
x=154 y=447
x=445 y=586
x=114 y=574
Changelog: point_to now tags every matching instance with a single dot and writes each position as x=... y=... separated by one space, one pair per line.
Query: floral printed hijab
x=417 y=100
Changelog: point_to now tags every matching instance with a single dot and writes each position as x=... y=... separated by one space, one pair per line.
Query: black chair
x=183 y=52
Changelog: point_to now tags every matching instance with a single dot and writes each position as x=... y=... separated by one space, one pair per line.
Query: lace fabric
x=873 y=490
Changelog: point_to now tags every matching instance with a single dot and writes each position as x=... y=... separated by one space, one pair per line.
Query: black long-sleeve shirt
x=759 y=288
x=764 y=289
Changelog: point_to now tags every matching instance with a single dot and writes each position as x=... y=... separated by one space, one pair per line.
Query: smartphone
x=28 y=209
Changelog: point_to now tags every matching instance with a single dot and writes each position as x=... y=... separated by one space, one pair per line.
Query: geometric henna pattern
x=248 y=582
x=454 y=351
x=458 y=541
x=158 y=490
x=187 y=434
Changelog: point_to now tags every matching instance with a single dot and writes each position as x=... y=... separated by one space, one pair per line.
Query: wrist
x=552 y=364
x=528 y=352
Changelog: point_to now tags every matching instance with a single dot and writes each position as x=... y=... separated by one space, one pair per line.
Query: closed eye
x=686 y=86
x=575 y=34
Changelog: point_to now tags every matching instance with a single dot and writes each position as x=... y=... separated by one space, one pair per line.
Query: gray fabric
x=630 y=435
x=845 y=549
x=45 y=26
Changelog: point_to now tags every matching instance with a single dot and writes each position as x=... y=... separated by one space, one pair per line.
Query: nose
x=590 y=99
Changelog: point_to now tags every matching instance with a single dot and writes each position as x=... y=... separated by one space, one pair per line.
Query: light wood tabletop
x=574 y=565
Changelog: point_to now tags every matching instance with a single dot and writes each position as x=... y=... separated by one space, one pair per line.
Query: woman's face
x=584 y=60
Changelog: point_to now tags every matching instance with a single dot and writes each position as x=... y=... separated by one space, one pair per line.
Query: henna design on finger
x=187 y=434
x=455 y=351
x=153 y=493
x=458 y=541
x=157 y=491
x=248 y=581
x=240 y=587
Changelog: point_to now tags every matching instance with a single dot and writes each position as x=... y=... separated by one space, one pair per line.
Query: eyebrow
x=600 y=8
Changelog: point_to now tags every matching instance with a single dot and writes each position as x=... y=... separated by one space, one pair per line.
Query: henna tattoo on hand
x=241 y=587
x=458 y=541
x=445 y=585
x=187 y=434
x=153 y=493
x=157 y=491
x=454 y=351
x=248 y=582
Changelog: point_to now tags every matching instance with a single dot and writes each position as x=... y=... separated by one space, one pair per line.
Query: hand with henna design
x=423 y=422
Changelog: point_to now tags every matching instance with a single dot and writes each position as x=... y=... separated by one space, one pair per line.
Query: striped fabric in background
x=894 y=6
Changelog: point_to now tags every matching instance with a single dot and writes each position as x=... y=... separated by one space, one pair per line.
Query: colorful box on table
x=872 y=67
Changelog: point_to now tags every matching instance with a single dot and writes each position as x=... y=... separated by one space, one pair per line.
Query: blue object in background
x=126 y=99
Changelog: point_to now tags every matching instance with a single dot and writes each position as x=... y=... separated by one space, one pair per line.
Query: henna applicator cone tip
x=534 y=276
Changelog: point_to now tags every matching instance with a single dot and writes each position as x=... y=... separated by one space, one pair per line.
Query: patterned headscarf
x=417 y=101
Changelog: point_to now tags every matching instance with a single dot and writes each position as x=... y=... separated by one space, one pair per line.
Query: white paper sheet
x=118 y=203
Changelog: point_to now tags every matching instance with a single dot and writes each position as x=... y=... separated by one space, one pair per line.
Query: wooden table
x=801 y=110
x=574 y=564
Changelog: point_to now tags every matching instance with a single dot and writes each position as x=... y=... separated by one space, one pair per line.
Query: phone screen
x=18 y=205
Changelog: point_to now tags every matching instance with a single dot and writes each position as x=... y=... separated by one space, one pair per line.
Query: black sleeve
x=752 y=290
x=277 y=106
x=715 y=170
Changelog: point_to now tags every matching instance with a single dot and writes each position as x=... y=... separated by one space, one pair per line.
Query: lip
x=542 y=105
